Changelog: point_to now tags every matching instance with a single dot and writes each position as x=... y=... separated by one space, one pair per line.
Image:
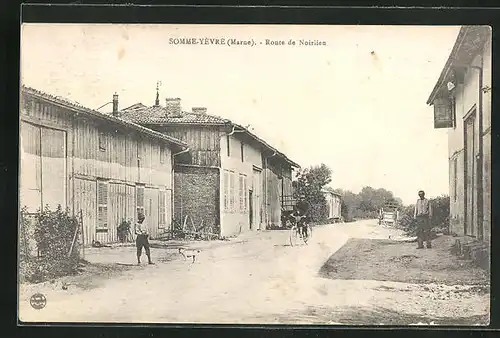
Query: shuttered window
x=102 y=140
x=102 y=204
x=226 y=190
x=162 y=209
x=139 y=199
x=232 y=191
x=228 y=144
x=242 y=198
x=242 y=152
x=245 y=194
x=162 y=154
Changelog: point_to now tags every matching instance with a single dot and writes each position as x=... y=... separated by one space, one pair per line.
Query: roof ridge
x=96 y=113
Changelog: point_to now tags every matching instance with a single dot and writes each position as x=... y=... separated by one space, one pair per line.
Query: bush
x=55 y=235
x=440 y=216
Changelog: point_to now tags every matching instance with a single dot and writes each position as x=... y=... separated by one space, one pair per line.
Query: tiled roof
x=469 y=41
x=157 y=115
x=75 y=106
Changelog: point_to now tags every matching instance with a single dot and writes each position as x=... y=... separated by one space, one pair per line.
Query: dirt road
x=261 y=280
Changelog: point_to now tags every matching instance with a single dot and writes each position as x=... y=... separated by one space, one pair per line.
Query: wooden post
x=73 y=242
x=83 y=234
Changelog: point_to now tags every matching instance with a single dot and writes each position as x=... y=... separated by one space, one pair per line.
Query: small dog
x=186 y=253
x=97 y=244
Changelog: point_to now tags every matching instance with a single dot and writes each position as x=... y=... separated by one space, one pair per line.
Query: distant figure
x=141 y=241
x=301 y=214
x=423 y=215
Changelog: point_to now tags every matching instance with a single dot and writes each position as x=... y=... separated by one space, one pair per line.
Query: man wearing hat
x=141 y=241
x=423 y=215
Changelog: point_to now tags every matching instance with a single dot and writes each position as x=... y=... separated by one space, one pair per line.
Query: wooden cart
x=389 y=214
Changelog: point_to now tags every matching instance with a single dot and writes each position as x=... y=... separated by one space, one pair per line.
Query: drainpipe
x=265 y=180
x=479 y=156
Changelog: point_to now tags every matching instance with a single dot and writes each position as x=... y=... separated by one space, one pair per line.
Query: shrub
x=440 y=216
x=55 y=234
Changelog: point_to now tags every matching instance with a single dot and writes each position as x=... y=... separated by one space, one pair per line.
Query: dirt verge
x=387 y=260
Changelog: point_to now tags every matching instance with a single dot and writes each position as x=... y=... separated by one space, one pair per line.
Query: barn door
x=43 y=167
x=30 y=181
x=54 y=177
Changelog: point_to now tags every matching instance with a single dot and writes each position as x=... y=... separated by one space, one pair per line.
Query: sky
x=356 y=104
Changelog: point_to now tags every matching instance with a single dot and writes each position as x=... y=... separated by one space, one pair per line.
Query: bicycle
x=296 y=233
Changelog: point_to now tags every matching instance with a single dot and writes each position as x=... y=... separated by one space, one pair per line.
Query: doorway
x=470 y=174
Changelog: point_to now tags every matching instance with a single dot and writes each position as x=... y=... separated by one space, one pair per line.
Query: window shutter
x=102 y=204
x=162 y=209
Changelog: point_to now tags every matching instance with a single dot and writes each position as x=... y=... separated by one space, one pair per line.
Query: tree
x=310 y=183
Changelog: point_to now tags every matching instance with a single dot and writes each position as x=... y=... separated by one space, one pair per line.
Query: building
x=462 y=104
x=104 y=166
x=230 y=178
x=334 y=205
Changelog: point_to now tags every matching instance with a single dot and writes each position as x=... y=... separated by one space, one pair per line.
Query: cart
x=389 y=214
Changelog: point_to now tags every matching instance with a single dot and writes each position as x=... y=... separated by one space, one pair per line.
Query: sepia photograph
x=254 y=174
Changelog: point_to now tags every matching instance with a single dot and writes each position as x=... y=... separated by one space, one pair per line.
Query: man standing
x=141 y=241
x=423 y=215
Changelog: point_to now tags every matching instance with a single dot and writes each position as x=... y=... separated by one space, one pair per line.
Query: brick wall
x=196 y=193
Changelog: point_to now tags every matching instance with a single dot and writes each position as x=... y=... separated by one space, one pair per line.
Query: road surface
x=261 y=280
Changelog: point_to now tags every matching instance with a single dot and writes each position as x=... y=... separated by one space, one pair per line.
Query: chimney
x=199 y=110
x=173 y=106
x=115 y=104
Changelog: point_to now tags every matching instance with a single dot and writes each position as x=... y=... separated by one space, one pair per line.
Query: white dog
x=189 y=253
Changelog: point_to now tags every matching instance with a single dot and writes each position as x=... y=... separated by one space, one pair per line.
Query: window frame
x=102 y=141
x=162 y=154
x=226 y=187
x=102 y=224
x=162 y=225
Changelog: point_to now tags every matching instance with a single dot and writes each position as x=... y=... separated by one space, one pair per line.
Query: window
x=228 y=146
x=102 y=205
x=102 y=141
x=162 y=154
x=162 y=209
x=243 y=193
x=139 y=149
x=139 y=199
x=226 y=190
x=245 y=197
x=242 y=153
x=233 y=192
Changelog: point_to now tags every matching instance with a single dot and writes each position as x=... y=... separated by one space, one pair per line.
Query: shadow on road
x=374 y=316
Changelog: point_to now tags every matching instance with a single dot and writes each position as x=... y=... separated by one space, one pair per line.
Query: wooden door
x=255 y=201
x=470 y=175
